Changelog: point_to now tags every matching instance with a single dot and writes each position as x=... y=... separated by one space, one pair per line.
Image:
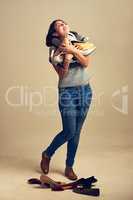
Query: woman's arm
x=61 y=71
x=84 y=60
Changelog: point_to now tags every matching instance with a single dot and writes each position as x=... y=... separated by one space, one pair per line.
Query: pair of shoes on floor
x=81 y=186
x=46 y=181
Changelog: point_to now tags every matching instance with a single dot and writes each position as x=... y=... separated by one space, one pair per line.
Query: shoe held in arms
x=69 y=173
x=45 y=163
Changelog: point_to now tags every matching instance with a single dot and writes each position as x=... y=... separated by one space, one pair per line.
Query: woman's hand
x=67 y=49
x=70 y=48
x=74 y=50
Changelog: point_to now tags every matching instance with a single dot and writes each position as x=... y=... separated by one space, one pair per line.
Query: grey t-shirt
x=77 y=74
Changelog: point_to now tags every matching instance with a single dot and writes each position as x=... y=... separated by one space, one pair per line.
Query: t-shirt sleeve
x=51 y=54
x=55 y=60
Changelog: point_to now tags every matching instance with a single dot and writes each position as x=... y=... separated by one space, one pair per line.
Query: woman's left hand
x=67 y=49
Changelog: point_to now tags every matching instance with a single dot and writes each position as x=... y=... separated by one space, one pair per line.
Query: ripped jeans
x=73 y=103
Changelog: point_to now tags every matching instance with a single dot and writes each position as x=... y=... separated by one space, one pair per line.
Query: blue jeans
x=73 y=103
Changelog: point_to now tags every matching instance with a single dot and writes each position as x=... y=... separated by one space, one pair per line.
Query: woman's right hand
x=58 y=52
x=78 y=46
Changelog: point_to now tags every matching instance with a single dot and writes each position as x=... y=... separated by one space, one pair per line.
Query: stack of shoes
x=80 y=186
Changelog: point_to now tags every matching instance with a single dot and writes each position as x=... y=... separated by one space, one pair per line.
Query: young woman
x=74 y=94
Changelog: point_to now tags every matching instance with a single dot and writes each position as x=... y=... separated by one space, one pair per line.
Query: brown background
x=106 y=144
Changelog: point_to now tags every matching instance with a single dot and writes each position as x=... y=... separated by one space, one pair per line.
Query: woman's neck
x=64 y=39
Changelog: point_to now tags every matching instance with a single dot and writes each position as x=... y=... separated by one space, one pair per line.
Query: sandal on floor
x=54 y=185
x=44 y=184
x=87 y=191
x=87 y=182
x=84 y=182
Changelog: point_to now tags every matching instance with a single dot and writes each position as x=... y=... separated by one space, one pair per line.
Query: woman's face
x=62 y=29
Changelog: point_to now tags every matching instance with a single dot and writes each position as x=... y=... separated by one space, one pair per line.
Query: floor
x=109 y=159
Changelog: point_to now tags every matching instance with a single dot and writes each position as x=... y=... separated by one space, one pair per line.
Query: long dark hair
x=52 y=30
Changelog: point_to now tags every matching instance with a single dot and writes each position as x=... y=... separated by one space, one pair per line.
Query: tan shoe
x=69 y=173
x=45 y=163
